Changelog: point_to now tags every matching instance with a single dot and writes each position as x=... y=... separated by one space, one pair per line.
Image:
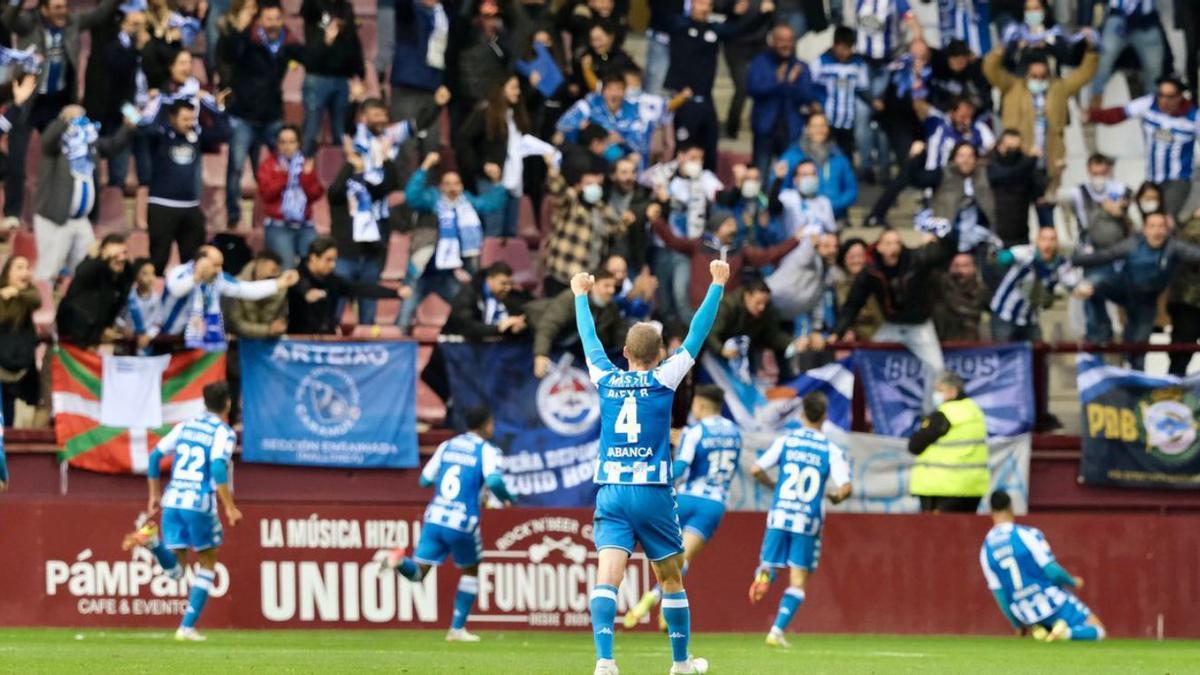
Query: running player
x=706 y=462
x=635 y=503
x=203 y=448
x=1033 y=591
x=459 y=470
x=806 y=460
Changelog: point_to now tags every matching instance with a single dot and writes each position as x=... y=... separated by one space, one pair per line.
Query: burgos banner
x=337 y=404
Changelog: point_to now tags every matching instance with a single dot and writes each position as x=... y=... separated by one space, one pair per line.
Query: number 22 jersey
x=196 y=444
x=806 y=460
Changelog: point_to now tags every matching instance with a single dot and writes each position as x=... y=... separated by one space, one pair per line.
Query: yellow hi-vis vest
x=956 y=464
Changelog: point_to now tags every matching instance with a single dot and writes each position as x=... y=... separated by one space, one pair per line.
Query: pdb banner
x=1139 y=430
x=999 y=378
x=547 y=428
x=337 y=404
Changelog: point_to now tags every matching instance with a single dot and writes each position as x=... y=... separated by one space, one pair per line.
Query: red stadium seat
x=214 y=167
x=725 y=162
x=515 y=252
x=24 y=244
x=112 y=217
x=430 y=408
x=433 y=311
x=321 y=216
x=527 y=222
x=396 y=266
x=329 y=162
x=138 y=244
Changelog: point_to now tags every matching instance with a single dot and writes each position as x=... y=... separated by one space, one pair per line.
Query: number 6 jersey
x=197 y=444
x=806 y=460
x=458 y=470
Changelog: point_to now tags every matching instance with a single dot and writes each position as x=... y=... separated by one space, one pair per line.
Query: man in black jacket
x=900 y=280
x=96 y=296
x=333 y=67
x=1017 y=182
x=112 y=75
x=360 y=259
x=314 y=300
x=257 y=54
x=488 y=307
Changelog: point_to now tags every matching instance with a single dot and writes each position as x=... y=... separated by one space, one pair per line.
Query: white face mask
x=593 y=193
x=1038 y=86
x=691 y=169
x=751 y=188
x=808 y=185
x=1149 y=206
x=1034 y=18
x=938 y=399
x=1098 y=183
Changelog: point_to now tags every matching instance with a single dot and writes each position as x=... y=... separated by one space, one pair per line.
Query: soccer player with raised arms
x=705 y=464
x=806 y=461
x=203 y=450
x=460 y=469
x=636 y=503
x=1033 y=591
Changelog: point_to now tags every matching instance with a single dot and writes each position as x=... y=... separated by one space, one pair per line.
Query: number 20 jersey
x=458 y=470
x=635 y=420
x=806 y=460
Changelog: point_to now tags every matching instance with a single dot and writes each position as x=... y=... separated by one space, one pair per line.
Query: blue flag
x=999 y=379
x=754 y=407
x=548 y=428
x=338 y=404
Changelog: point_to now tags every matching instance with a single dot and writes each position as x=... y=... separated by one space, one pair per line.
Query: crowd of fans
x=483 y=108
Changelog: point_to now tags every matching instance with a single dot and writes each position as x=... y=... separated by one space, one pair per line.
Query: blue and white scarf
x=205 y=328
x=371 y=148
x=460 y=233
x=494 y=310
x=365 y=213
x=272 y=46
x=29 y=60
x=189 y=27
x=76 y=145
x=295 y=201
x=1040 y=126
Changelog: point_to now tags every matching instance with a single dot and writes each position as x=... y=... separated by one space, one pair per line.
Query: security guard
x=951 y=470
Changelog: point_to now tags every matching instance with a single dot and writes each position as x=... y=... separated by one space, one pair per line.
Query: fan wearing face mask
x=584 y=225
x=1101 y=206
x=801 y=208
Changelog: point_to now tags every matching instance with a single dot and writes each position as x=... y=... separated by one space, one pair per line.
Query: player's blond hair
x=644 y=343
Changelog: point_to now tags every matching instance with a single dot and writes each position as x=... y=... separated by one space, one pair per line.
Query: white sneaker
x=776 y=639
x=461 y=635
x=693 y=665
x=606 y=667
x=189 y=635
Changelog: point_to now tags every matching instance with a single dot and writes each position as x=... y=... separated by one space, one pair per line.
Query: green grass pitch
x=61 y=651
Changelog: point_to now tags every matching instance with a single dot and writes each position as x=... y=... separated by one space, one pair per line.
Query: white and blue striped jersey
x=635 y=420
x=1014 y=300
x=966 y=20
x=182 y=297
x=711 y=448
x=941 y=137
x=1014 y=558
x=879 y=28
x=143 y=313
x=843 y=83
x=1170 y=140
x=806 y=460
x=196 y=444
x=1132 y=7
x=458 y=470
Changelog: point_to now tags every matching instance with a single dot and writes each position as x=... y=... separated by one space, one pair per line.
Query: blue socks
x=788 y=604
x=604 y=614
x=464 y=600
x=166 y=558
x=679 y=623
x=412 y=571
x=1087 y=632
x=201 y=585
x=657 y=590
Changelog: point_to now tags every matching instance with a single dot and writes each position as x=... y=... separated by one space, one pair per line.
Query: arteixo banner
x=309 y=566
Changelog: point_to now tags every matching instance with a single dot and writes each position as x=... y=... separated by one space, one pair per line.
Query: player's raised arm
x=593 y=351
x=707 y=313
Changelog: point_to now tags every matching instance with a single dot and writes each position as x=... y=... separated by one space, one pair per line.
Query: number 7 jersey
x=806 y=460
x=635 y=420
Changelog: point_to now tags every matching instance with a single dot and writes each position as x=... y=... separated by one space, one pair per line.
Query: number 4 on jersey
x=627 y=421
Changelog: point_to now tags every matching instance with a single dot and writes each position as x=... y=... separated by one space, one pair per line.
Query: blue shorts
x=641 y=514
x=1073 y=611
x=437 y=541
x=196 y=530
x=700 y=516
x=781 y=548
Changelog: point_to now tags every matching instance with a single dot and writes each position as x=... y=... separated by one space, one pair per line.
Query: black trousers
x=1189 y=21
x=169 y=225
x=45 y=108
x=737 y=56
x=1185 y=329
x=845 y=140
x=696 y=121
x=900 y=138
x=949 y=504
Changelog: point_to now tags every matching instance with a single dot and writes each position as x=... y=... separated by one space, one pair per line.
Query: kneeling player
x=707 y=461
x=459 y=470
x=1033 y=591
x=806 y=459
x=204 y=448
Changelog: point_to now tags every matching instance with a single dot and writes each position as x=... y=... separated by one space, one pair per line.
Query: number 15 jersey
x=806 y=460
x=635 y=420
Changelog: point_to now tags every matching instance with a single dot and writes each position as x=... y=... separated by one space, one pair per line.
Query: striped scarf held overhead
x=295 y=201
x=28 y=60
x=76 y=146
x=375 y=150
x=365 y=213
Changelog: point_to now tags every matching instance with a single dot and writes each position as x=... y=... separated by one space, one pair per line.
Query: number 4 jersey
x=458 y=470
x=197 y=444
x=806 y=460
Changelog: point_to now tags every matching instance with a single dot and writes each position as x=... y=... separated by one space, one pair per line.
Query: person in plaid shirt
x=583 y=224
